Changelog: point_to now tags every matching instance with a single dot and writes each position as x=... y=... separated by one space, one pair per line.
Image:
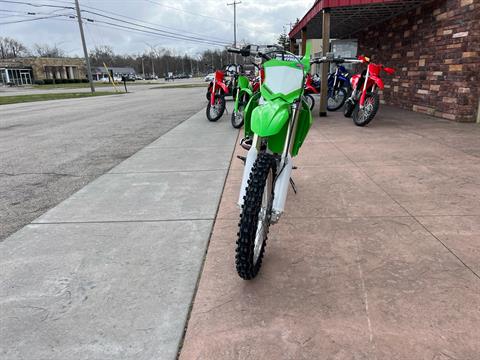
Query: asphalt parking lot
x=49 y=150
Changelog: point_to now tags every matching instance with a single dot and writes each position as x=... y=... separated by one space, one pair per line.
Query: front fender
x=377 y=81
x=222 y=86
x=269 y=119
x=248 y=91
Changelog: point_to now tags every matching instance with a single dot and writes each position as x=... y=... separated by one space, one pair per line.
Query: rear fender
x=270 y=118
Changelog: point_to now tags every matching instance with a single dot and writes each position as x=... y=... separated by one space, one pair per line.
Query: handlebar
x=330 y=58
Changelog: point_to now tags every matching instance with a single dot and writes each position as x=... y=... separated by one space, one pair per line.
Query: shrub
x=48 y=81
x=77 y=81
x=39 y=82
x=84 y=80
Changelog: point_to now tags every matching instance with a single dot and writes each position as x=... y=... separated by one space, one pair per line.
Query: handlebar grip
x=234 y=50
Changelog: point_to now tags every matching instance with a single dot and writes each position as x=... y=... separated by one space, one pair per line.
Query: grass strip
x=179 y=86
x=5 y=100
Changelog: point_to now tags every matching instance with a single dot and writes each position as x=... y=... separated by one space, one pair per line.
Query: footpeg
x=243 y=158
x=246 y=143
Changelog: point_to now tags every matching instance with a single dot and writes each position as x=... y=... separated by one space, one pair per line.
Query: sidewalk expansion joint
x=163 y=171
x=118 y=221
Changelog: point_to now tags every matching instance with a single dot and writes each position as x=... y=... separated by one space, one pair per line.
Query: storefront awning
x=350 y=16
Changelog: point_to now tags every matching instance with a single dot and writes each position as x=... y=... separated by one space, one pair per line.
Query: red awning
x=350 y=16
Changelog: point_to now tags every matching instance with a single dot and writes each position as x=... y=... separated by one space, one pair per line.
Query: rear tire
x=256 y=211
x=215 y=112
x=362 y=117
x=334 y=106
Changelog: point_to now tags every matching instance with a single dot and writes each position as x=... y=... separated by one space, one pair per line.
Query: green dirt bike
x=245 y=90
x=277 y=120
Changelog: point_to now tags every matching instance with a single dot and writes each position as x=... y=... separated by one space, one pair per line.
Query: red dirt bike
x=219 y=88
x=216 y=96
x=311 y=87
x=365 y=101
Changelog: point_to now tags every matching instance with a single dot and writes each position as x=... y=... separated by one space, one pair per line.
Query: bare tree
x=11 y=48
x=45 y=50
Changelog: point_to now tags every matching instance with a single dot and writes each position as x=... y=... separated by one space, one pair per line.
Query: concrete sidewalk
x=110 y=273
x=376 y=257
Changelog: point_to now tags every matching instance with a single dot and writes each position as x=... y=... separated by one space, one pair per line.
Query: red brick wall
x=436 y=52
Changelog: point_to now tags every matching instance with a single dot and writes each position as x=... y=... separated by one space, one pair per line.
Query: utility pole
x=153 y=68
x=235 y=3
x=143 y=68
x=85 y=52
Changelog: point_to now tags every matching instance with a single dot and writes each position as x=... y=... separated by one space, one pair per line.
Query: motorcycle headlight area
x=283 y=79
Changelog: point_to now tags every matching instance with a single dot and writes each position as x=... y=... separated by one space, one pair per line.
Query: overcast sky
x=259 y=22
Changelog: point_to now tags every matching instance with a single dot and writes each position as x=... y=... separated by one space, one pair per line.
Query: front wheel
x=336 y=99
x=237 y=116
x=363 y=116
x=349 y=106
x=215 y=111
x=309 y=100
x=255 y=217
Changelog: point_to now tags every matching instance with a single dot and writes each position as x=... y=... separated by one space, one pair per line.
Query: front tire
x=349 y=106
x=310 y=101
x=237 y=117
x=336 y=99
x=215 y=112
x=363 y=116
x=255 y=217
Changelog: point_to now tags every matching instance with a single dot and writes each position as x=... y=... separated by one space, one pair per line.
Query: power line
x=36 y=5
x=188 y=12
x=34 y=19
x=156 y=31
x=172 y=34
x=203 y=41
x=150 y=23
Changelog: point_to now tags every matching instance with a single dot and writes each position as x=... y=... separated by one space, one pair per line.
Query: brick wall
x=436 y=52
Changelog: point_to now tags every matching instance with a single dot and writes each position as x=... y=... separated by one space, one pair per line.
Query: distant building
x=24 y=71
x=115 y=72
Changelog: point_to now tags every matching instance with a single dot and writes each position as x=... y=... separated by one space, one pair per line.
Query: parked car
x=210 y=77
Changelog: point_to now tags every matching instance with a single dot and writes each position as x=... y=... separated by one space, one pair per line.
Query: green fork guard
x=240 y=94
x=244 y=87
x=247 y=114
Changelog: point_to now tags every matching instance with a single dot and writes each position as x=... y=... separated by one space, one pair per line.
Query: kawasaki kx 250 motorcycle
x=277 y=120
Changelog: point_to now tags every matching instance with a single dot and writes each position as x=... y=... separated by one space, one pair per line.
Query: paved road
x=49 y=150
x=131 y=86
x=110 y=273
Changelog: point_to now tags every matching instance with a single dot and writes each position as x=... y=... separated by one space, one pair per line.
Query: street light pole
x=235 y=3
x=85 y=52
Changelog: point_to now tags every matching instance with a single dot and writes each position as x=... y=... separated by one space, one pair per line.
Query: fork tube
x=212 y=96
x=291 y=132
x=364 y=92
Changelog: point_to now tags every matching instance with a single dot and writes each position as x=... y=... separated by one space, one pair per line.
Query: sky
x=258 y=22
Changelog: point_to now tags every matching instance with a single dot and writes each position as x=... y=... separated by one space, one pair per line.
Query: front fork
x=285 y=165
x=364 y=91
x=212 y=95
x=235 y=108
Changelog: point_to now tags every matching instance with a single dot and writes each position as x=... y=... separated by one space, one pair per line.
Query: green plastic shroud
x=271 y=119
